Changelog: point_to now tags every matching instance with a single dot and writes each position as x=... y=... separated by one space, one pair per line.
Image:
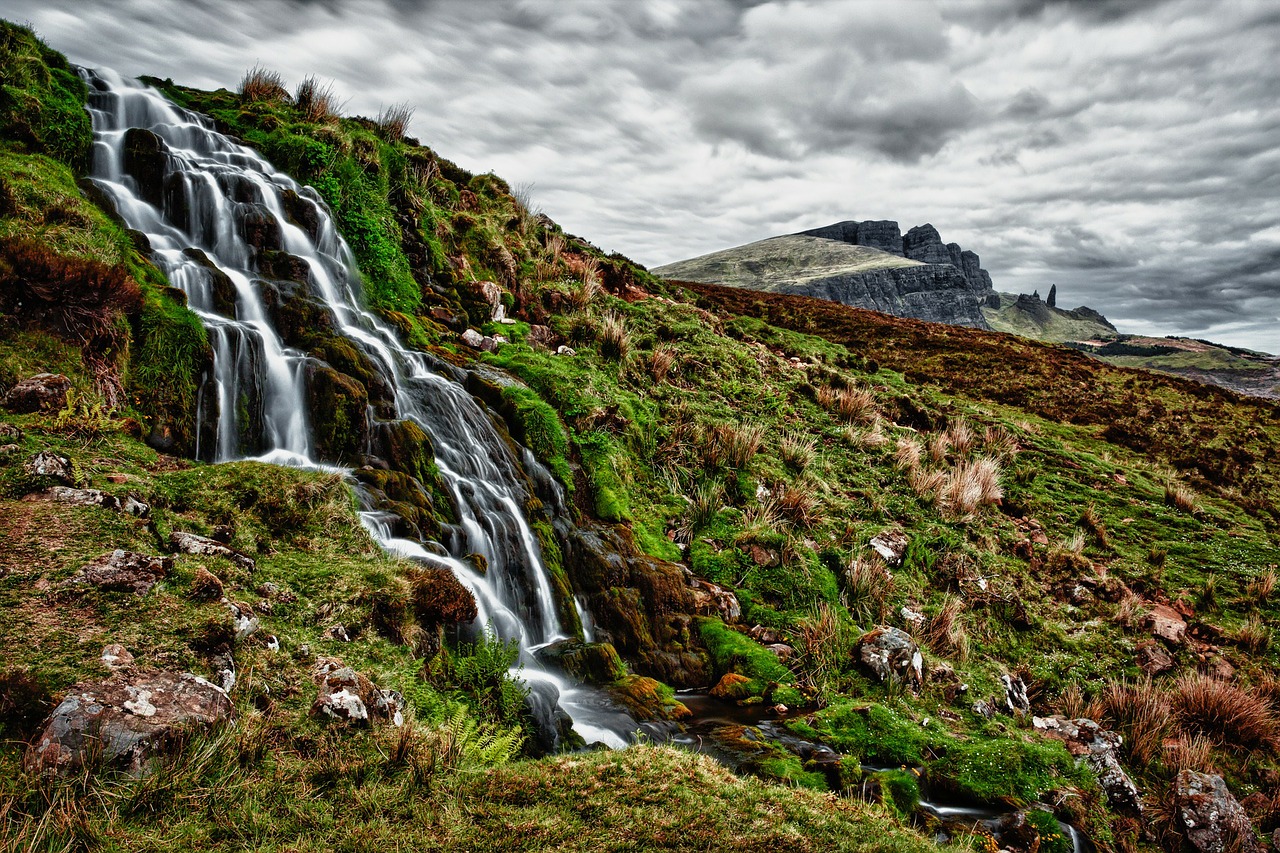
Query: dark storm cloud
x=1126 y=151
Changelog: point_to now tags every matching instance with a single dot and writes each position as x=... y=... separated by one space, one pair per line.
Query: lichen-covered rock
x=127 y=720
x=1015 y=693
x=349 y=696
x=1166 y=624
x=891 y=545
x=191 y=543
x=472 y=338
x=1209 y=816
x=44 y=392
x=123 y=570
x=891 y=655
x=1098 y=749
x=48 y=465
x=92 y=497
x=116 y=656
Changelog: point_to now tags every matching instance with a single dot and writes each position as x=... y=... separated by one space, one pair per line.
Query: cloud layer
x=1127 y=151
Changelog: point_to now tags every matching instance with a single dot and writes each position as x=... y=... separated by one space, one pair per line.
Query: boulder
x=731 y=686
x=473 y=339
x=92 y=497
x=890 y=545
x=123 y=570
x=127 y=720
x=190 y=543
x=44 y=392
x=1209 y=816
x=891 y=655
x=348 y=696
x=1166 y=624
x=491 y=293
x=594 y=663
x=145 y=159
x=711 y=599
x=1099 y=750
x=540 y=336
x=116 y=656
x=648 y=699
x=50 y=466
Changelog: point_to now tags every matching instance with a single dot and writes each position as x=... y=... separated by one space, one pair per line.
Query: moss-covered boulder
x=648 y=699
x=594 y=663
x=337 y=404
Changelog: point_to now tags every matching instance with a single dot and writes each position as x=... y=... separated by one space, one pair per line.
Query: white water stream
x=212 y=193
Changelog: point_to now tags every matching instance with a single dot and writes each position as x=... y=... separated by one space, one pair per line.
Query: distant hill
x=1031 y=317
x=868 y=264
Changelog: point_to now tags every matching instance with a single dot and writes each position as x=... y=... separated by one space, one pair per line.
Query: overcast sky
x=1127 y=151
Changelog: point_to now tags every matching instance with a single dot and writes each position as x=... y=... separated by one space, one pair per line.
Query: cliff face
x=869 y=264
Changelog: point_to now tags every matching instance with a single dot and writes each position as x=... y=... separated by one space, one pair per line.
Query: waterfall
x=207 y=214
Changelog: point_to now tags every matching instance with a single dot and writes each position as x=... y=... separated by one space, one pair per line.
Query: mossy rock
x=337 y=404
x=594 y=663
x=648 y=698
x=406 y=448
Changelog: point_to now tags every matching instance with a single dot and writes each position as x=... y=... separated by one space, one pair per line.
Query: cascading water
x=198 y=213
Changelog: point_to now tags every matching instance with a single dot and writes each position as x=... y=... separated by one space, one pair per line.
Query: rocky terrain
x=860 y=582
x=865 y=264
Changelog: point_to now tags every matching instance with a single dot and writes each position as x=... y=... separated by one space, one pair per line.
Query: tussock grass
x=1233 y=717
x=1182 y=498
x=317 y=101
x=798 y=451
x=614 y=339
x=868 y=587
x=262 y=85
x=850 y=404
x=908 y=453
x=1141 y=713
x=393 y=121
x=661 y=362
x=945 y=632
x=733 y=445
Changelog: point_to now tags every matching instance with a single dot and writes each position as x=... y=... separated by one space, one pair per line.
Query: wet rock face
x=594 y=663
x=349 y=696
x=123 y=570
x=44 y=392
x=1209 y=816
x=1098 y=749
x=891 y=655
x=144 y=161
x=127 y=720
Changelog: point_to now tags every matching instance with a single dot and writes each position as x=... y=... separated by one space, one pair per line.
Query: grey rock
x=116 y=656
x=50 y=465
x=891 y=655
x=492 y=294
x=924 y=244
x=882 y=234
x=190 y=543
x=348 y=696
x=891 y=545
x=1209 y=816
x=127 y=720
x=123 y=570
x=472 y=338
x=44 y=392
x=1098 y=749
x=1015 y=693
x=92 y=497
x=564 y=350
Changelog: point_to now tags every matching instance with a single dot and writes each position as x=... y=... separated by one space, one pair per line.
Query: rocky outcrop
x=1098 y=749
x=867 y=264
x=1209 y=816
x=127 y=720
x=191 y=543
x=91 y=497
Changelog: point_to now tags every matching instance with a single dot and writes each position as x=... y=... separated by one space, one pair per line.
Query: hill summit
x=869 y=264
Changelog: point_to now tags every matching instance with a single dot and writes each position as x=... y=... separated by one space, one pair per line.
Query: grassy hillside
x=1050 y=504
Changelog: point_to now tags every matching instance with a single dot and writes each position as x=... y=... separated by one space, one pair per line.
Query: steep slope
x=865 y=264
x=730 y=457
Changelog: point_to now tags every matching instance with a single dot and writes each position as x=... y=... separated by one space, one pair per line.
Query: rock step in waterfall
x=239 y=238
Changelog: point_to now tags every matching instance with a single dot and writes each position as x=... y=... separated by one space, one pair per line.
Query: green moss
x=734 y=652
x=42 y=99
x=1052 y=837
x=537 y=426
x=873 y=733
x=170 y=352
x=1006 y=769
x=899 y=790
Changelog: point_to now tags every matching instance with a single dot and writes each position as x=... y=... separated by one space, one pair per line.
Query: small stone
x=336 y=632
x=711 y=599
x=1152 y=658
x=348 y=696
x=1166 y=624
x=890 y=545
x=116 y=656
x=891 y=655
x=564 y=350
x=190 y=543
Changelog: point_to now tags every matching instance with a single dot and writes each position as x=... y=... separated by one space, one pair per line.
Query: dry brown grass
x=945 y=633
x=614 y=339
x=939 y=444
x=1189 y=752
x=1092 y=522
x=1072 y=703
x=970 y=484
x=1222 y=711
x=851 y=404
x=1001 y=443
x=1140 y=712
x=868 y=586
x=1261 y=588
x=798 y=503
x=961 y=436
x=1182 y=498
x=798 y=451
x=870 y=439
x=927 y=483
x=261 y=85
x=1130 y=611
x=661 y=362
x=1253 y=636
x=908 y=453
x=316 y=101
x=393 y=121
x=823 y=641
x=734 y=445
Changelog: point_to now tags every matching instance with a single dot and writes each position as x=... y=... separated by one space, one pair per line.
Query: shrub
x=707 y=499
x=970 y=485
x=999 y=442
x=1222 y=711
x=939 y=444
x=482 y=672
x=260 y=85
